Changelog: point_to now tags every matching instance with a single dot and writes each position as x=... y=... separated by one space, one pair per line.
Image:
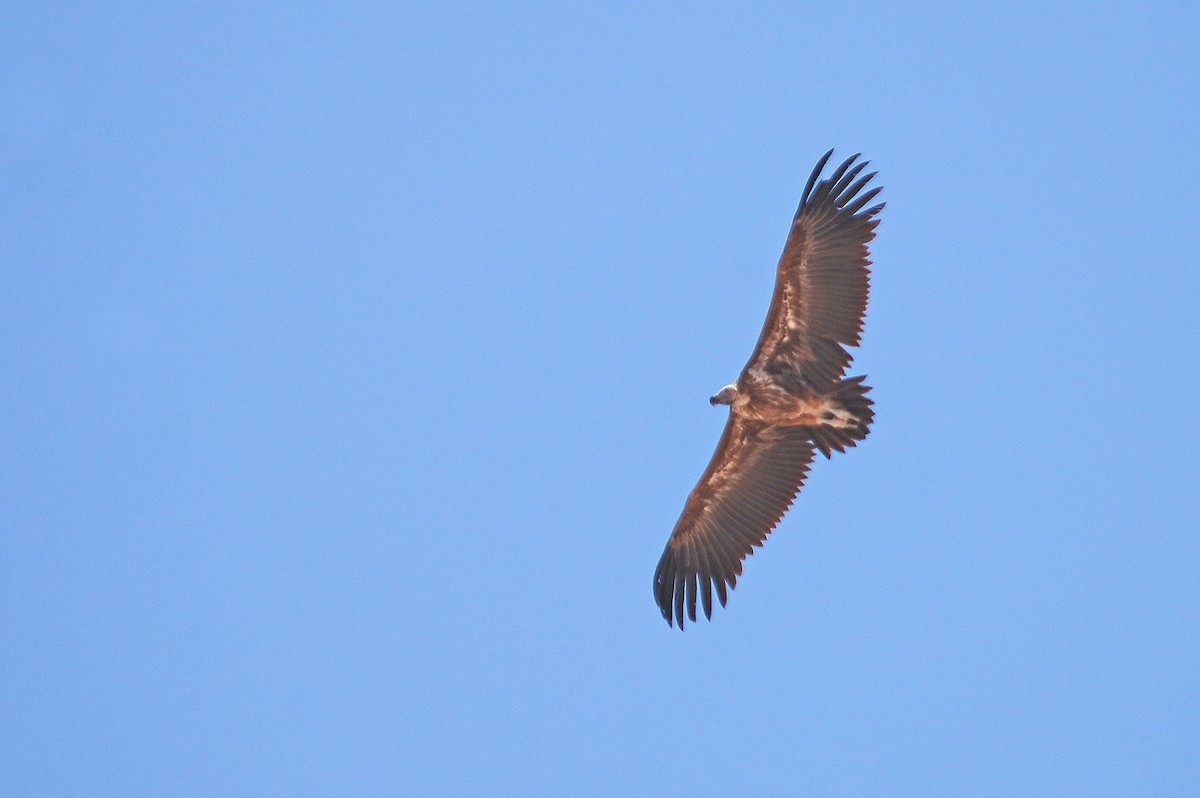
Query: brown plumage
x=790 y=400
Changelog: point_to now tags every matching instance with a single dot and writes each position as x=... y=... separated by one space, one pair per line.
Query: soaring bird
x=790 y=400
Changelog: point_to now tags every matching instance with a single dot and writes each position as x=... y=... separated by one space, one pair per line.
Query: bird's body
x=790 y=400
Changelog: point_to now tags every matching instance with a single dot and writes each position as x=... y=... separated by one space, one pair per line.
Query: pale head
x=725 y=396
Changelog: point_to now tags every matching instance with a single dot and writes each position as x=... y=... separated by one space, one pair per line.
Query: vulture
x=790 y=401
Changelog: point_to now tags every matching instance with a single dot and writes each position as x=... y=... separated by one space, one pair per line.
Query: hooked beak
x=725 y=396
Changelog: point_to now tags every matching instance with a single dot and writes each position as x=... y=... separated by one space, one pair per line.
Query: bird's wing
x=822 y=281
x=754 y=475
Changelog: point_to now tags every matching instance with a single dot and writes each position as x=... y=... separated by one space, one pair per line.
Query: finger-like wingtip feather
x=812 y=179
x=680 y=590
x=854 y=207
x=848 y=194
x=827 y=185
x=840 y=187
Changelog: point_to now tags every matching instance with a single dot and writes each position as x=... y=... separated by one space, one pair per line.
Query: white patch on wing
x=842 y=418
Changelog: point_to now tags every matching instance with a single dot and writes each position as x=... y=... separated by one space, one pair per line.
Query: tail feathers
x=850 y=418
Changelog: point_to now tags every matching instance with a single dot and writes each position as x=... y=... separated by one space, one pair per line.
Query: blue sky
x=356 y=371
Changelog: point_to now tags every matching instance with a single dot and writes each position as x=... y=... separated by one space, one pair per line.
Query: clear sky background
x=355 y=369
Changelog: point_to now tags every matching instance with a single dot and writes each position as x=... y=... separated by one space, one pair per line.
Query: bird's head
x=725 y=396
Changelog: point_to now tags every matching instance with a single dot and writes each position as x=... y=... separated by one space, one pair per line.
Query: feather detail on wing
x=822 y=281
x=753 y=478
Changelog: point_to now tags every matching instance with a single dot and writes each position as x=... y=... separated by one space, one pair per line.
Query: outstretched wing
x=822 y=281
x=754 y=475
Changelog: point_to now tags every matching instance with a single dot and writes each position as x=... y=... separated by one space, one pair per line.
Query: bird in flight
x=790 y=401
